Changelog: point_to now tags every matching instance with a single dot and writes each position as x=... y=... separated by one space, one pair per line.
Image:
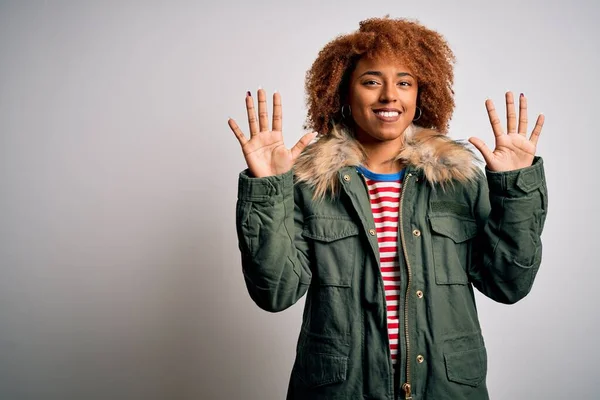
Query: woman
x=386 y=223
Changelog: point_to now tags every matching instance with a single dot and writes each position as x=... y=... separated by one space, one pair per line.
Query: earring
x=344 y=116
x=420 y=114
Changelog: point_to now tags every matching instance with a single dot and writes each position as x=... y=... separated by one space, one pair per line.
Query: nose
x=388 y=93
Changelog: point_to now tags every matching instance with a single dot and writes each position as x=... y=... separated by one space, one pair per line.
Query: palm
x=513 y=150
x=265 y=151
x=266 y=154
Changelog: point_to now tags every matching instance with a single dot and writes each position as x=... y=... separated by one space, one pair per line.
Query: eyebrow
x=379 y=73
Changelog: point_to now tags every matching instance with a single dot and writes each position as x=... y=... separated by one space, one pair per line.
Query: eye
x=405 y=83
x=370 y=82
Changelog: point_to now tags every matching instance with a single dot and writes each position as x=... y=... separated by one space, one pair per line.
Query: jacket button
x=420 y=294
x=347 y=178
x=420 y=359
x=372 y=232
x=417 y=232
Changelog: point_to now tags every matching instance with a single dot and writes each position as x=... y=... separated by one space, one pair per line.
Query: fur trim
x=441 y=159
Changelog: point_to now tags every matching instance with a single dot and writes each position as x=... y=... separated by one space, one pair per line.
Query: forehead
x=382 y=64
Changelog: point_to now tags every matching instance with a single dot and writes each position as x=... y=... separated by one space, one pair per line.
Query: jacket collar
x=436 y=157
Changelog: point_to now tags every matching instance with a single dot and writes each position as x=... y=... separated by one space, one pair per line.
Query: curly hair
x=423 y=51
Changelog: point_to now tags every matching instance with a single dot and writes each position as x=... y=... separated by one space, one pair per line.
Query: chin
x=381 y=132
x=387 y=134
x=388 y=138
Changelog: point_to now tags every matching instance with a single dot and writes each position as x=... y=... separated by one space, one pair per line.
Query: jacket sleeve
x=274 y=254
x=510 y=212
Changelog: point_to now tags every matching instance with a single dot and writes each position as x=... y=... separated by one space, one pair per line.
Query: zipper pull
x=407 y=392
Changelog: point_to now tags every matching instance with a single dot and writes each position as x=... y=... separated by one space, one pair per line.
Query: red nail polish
x=522 y=95
x=248 y=93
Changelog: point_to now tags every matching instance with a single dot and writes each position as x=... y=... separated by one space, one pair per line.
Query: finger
x=494 y=120
x=277 y=112
x=252 y=123
x=537 y=129
x=511 y=115
x=237 y=131
x=302 y=143
x=522 y=115
x=485 y=151
x=263 y=115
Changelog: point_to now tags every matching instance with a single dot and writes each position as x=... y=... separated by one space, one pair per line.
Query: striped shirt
x=384 y=193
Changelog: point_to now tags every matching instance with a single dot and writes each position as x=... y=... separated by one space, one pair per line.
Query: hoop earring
x=344 y=116
x=420 y=114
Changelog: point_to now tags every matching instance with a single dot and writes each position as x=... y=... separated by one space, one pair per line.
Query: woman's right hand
x=265 y=152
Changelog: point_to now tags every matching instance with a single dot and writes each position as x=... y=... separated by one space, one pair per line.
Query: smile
x=388 y=116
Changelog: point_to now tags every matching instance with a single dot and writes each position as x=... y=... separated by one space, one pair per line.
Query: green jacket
x=458 y=230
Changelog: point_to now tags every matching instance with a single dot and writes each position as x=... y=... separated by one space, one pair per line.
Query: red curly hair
x=422 y=50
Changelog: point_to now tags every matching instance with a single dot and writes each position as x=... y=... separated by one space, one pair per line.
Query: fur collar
x=441 y=159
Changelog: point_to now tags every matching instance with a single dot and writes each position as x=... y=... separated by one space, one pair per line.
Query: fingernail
x=248 y=93
x=522 y=95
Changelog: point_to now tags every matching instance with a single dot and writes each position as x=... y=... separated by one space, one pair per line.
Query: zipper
x=406 y=387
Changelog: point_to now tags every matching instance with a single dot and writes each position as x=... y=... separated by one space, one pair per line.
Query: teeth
x=387 y=113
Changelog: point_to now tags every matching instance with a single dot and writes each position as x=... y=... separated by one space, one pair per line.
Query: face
x=383 y=99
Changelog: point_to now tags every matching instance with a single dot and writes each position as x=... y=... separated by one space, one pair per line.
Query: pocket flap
x=459 y=229
x=329 y=229
x=467 y=367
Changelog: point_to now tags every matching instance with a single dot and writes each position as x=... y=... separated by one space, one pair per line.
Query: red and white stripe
x=385 y=201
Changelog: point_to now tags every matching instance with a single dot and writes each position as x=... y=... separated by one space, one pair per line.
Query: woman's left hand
x=513 y=149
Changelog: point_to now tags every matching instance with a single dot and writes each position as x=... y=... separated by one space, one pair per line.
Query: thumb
x=302 y=143
x=483 y=149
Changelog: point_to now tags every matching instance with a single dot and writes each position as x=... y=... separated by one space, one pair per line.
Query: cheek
x=359 y=107
x=361 y=115
x=358 y=99
x=410 y=98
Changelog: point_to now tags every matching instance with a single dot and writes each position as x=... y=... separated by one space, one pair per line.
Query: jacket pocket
x=320 y=361
x=467 y=367
x=316 y=370
x=335 y=242
x=450 y=239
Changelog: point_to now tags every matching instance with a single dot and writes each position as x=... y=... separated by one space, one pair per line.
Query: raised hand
x=513 y=149
x=265 y=152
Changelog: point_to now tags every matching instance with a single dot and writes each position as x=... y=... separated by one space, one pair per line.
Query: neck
x=380 y=155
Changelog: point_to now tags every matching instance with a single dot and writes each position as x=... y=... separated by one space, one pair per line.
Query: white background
x=120 y=275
